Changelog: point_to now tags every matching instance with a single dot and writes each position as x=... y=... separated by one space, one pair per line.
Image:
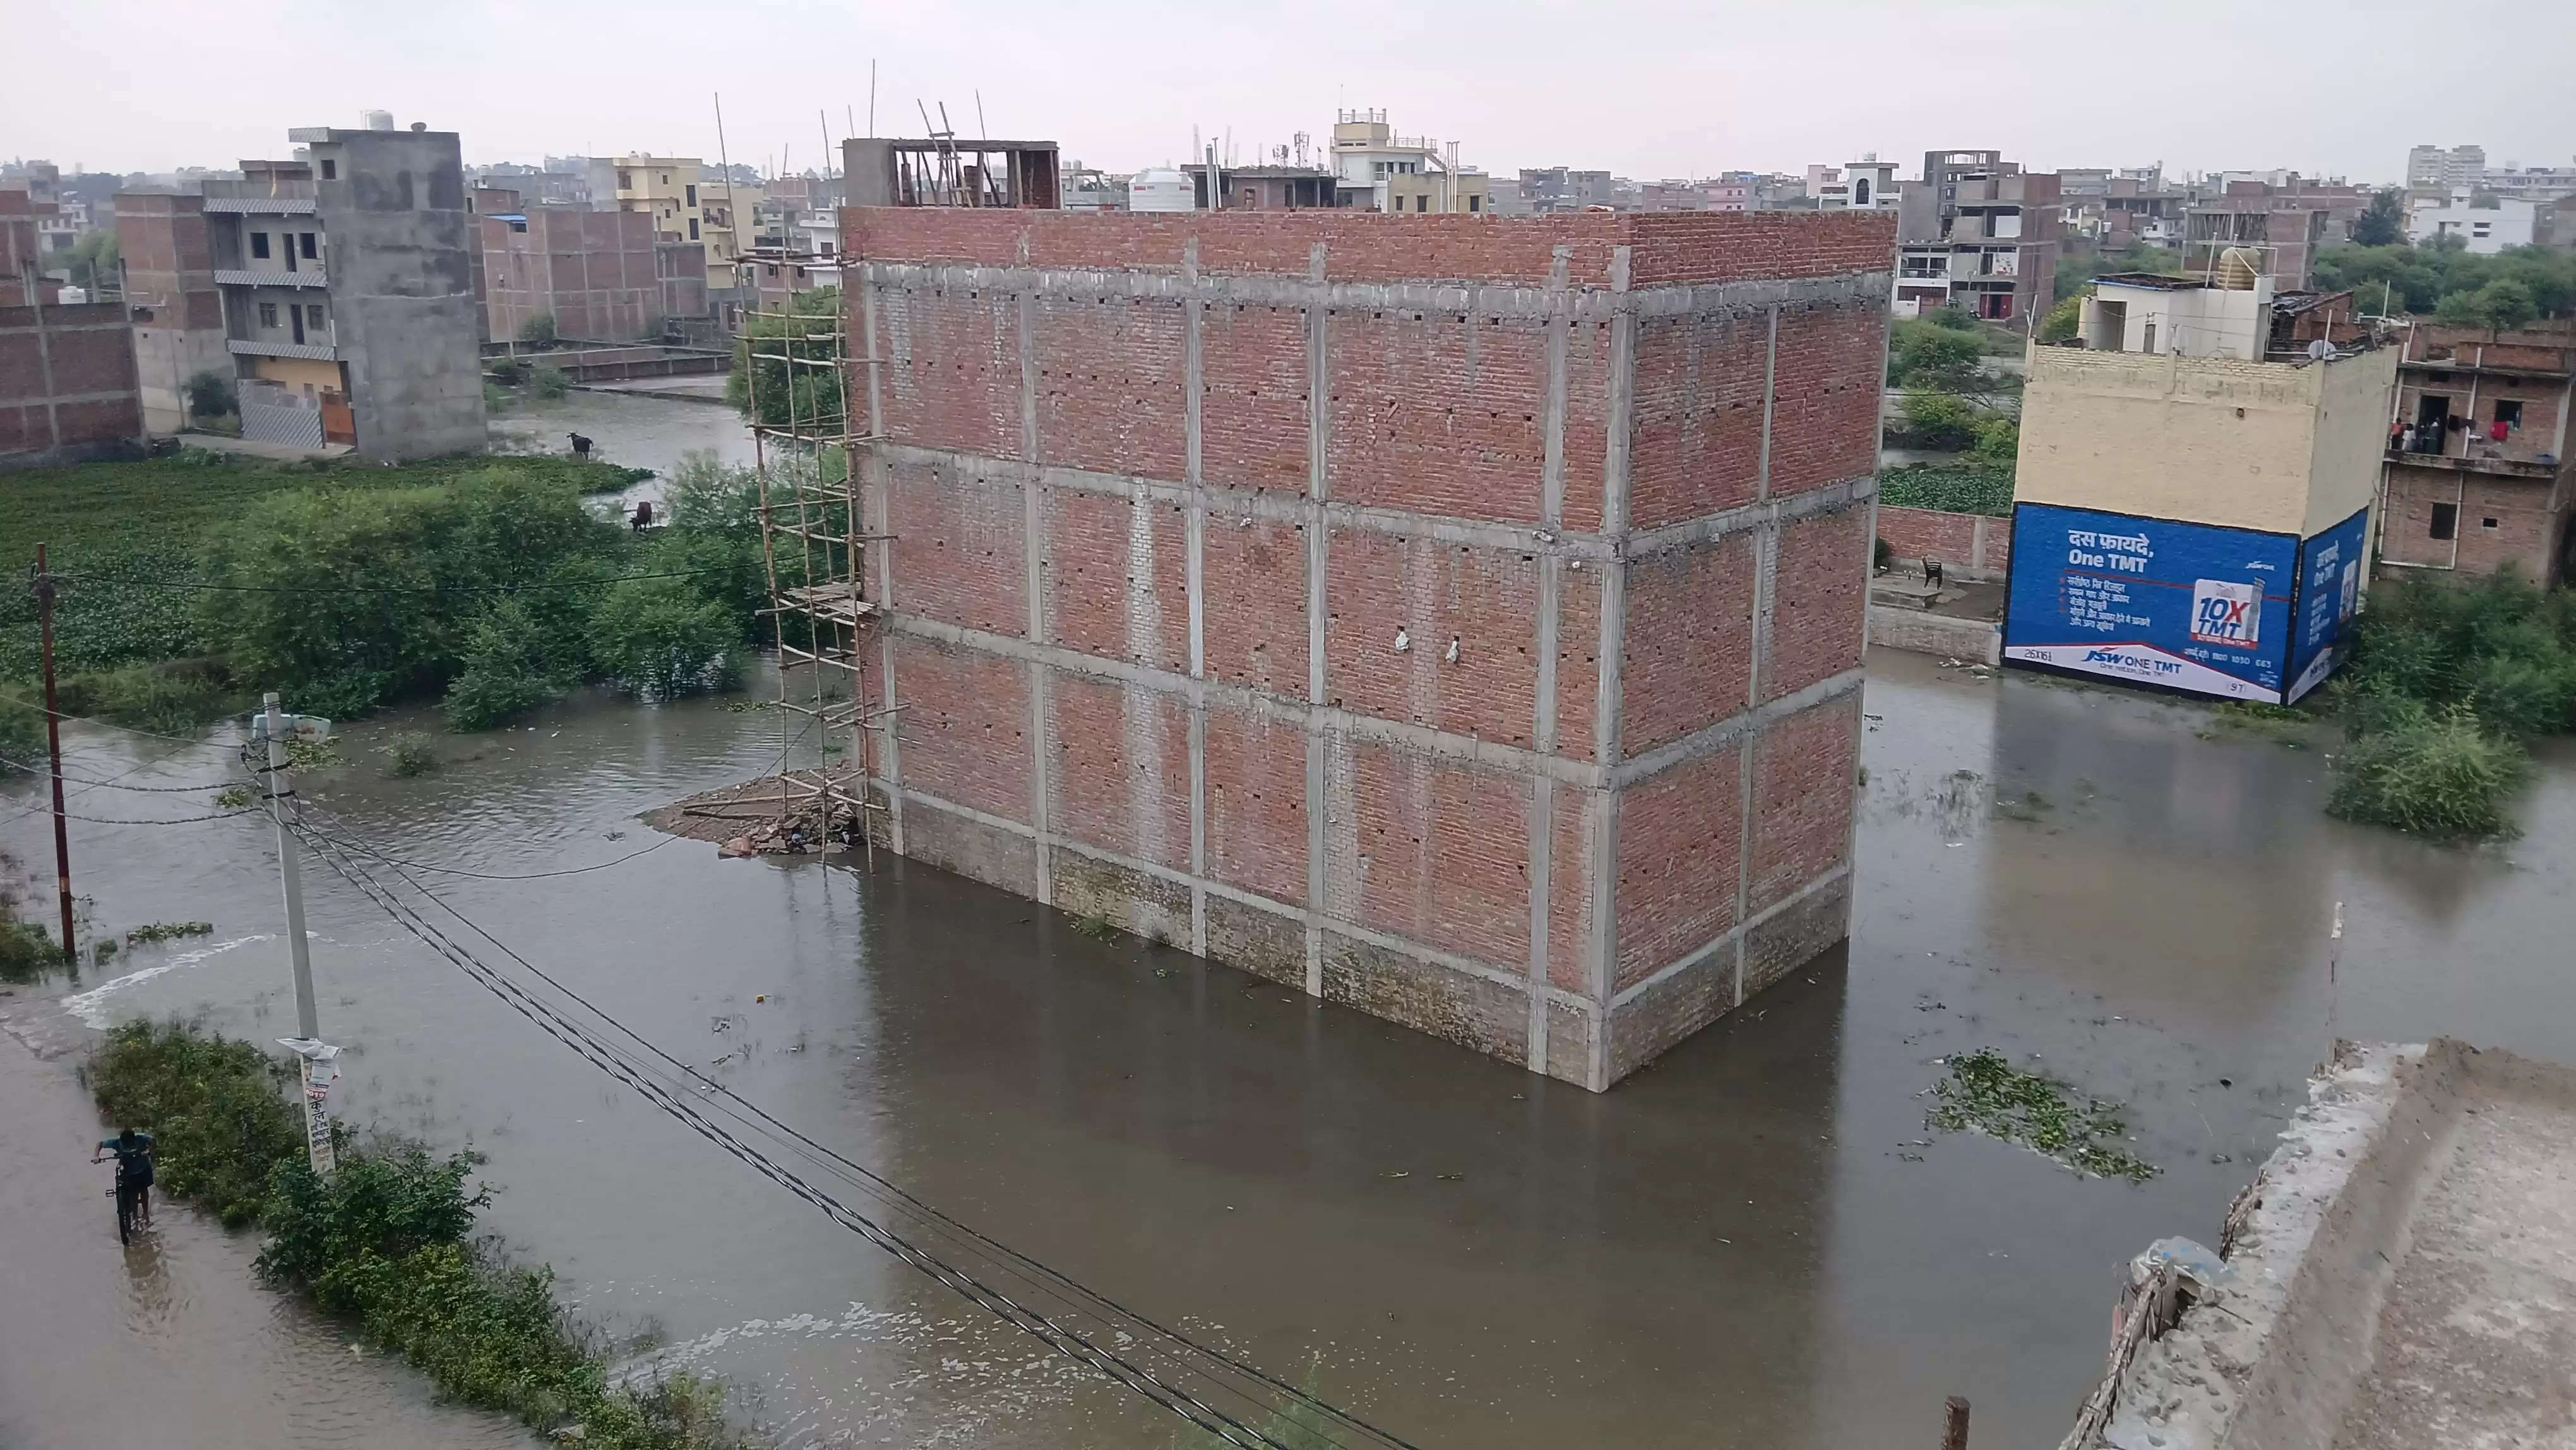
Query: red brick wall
x=1428 y=788
x=1948 y=537
x=1378 y=584
x=1688 y=650
x=2530 y=522
x=1680 y=839
x=67 y=382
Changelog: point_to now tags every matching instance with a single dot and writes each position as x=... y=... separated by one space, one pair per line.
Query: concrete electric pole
x=320 y=1067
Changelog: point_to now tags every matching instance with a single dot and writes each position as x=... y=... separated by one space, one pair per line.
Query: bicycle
x=129 y=1199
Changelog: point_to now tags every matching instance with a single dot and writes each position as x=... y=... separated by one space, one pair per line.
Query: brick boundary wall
x=68 y=391
x=1972 y=546
x=1454 y=618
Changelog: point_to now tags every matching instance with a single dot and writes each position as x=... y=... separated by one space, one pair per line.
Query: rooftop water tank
x=1160 y=188
x=2238 y=267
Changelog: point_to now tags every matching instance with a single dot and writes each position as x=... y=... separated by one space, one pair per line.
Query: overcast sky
x=1646 y=88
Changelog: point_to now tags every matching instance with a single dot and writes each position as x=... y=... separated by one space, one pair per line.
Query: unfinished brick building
x=1455 y=618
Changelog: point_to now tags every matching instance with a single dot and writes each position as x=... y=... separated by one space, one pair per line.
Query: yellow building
x=687 y=204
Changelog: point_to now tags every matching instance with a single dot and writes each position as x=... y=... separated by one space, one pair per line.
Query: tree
x=1940 y=420
x=2501 y=303
x=2382 y=223
x=800 y=393
x=539 y=330
x=93 y=261
x=209 y=394
x=2063 y=320
x=1923 y=352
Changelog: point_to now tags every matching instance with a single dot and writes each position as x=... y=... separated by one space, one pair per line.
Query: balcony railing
x=245 y=277
x=318 y=351
x=262 y=205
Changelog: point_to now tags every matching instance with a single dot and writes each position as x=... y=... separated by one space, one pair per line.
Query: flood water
x=1744 y=1245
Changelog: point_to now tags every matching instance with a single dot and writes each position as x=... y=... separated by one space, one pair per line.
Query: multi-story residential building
x=1553 y=189
x=2477 y=477
x=2430 y=168
x=1378 y=170
x=684 y=203
x=1868 y=184
x=1271 y=188
x=1980 y=233
x=2534 y=183
x=345 y=292
x=2481 y=221
x=2281 y=220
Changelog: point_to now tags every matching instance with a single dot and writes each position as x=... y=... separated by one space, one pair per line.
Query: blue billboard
x=2193 y=607
x=2330 y=570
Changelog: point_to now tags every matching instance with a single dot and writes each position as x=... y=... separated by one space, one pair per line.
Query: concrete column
x=1193 y=384
x=1319 y=428
x=880 y=521
x=1033 y=552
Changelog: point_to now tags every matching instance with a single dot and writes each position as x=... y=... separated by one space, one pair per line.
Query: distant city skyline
x=1645 y=88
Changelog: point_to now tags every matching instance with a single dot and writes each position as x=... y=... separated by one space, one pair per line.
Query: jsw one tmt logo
x=2224 y=612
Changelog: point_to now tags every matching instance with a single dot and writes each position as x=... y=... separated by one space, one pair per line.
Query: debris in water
x=1985 y=1093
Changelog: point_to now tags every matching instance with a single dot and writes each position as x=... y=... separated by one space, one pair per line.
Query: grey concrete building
x=348 y=306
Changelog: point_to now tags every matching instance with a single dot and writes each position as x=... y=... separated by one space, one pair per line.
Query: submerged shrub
x=2436 y=775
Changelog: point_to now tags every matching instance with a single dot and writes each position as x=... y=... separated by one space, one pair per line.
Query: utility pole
x=320 y=1069
x=289 y=871
x=54 y=750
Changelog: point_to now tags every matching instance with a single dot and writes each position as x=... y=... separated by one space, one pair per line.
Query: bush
x=2063 y=320
x=494 y=399
x=506 y=370
x=22 y=733
x=1998 y=442
x=539 y=330
x=1940 y=420
x=169 y=696
x=409 y=754
x=513 y=663
x=549 y=382
x=215 y=1108
x=2440 y=776
x=1930 y=351
x=661 y=639
x=209 y=394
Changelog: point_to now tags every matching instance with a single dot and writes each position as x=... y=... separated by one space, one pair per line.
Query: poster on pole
x=321 y=1063
x=2193 y=607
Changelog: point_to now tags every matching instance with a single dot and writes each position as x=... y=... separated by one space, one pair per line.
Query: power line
x=112 y=782
x=346 y=844
x=1069 y=1342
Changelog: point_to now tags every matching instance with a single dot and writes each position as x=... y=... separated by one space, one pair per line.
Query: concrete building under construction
x=1455 y=618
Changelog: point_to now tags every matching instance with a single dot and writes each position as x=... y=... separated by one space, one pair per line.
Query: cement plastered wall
x=2208 y=440
x=2351 y=435
x=403 y=309
x=1479 y=652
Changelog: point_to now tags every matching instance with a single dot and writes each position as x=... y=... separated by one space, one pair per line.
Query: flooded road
x=1743 y=1245
x=169 y=1341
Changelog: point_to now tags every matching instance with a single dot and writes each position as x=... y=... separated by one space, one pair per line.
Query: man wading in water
x=133 y=1152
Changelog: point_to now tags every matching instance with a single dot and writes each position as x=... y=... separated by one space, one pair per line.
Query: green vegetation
x=386 y=1246
x=539 y=330
x=209 y=394
x=482 y=581
x=1985 y=1093
x=790 y=392
x=160 y=931
x=2448 y=281
x=1293 y=1424
x=1939 y=350
x=1096 y=927
x=93 y=260
x=549 y=382
x=408 y=754
x=2080 y=262
x=2446 y=683
x=2383 y=222
x=1973 y=488
x=2065 y=319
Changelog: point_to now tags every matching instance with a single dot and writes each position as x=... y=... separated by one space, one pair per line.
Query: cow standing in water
x=643 y=514
x=580 y=446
